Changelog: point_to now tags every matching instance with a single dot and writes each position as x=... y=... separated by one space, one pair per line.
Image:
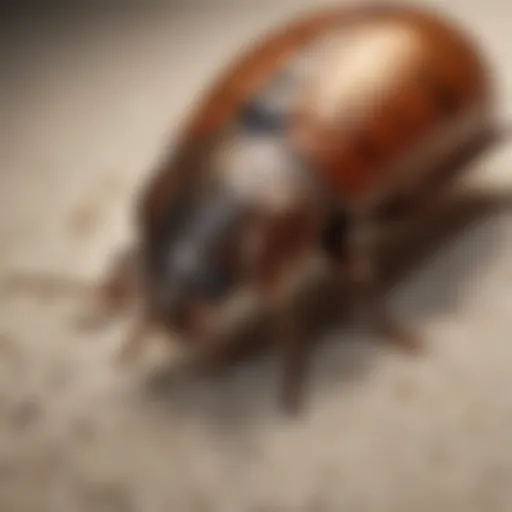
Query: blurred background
x=90 y=97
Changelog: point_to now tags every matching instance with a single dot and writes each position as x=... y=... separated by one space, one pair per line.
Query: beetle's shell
x=395 y=96
x=386 y=79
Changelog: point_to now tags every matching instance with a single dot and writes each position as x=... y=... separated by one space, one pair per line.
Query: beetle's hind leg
x=294 y=357
x=359 y=265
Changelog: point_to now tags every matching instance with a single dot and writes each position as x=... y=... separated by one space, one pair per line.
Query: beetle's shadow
x=246 y=389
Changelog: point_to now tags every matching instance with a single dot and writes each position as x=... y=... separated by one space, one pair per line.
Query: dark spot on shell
x=257 y=118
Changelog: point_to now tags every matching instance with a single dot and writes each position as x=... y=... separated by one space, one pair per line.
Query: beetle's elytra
x=364 y=85
x=300 y=148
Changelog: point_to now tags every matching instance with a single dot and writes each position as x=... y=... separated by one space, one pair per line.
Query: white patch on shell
x=262 y=171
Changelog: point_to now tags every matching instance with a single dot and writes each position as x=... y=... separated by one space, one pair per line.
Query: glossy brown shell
x=449 y=77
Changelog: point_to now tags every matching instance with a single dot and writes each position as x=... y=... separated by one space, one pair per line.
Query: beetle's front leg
x=265 y=262
x=359 y=265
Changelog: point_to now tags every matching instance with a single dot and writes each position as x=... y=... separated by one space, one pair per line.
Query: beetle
x=330 y=126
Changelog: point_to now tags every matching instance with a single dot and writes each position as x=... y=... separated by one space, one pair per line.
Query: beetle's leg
x=262 y=268
x=415 y=206
x=360 y=267
x=423 y=199
x=431 y=204
x=294 y=347
x=294 y=356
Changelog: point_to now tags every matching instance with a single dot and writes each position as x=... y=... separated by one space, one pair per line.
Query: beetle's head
x=196 y=268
